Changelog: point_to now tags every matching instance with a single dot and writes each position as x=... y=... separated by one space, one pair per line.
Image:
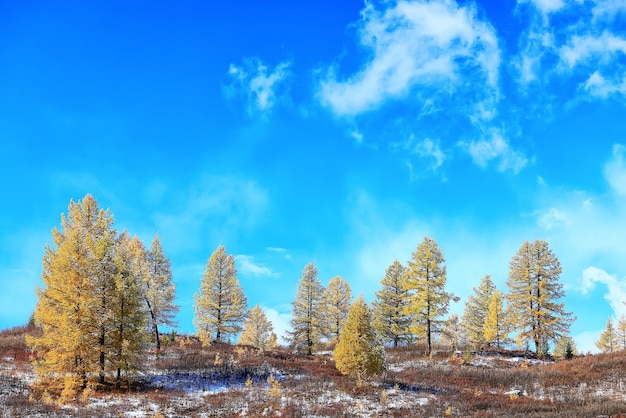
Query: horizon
x=335 y=133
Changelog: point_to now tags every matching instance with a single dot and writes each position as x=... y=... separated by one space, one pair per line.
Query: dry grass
x=445 y=384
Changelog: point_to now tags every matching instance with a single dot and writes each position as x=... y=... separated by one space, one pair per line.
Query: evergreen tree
x=128 y=334
x=496 y=325
x=257 y=330
x=608 y=339
x=426 y=279
x=220 y=304
x=620 y=333
x=535 y=294
x=565 y=348
x=475 y=311
x=308 y=316
x=160 y=290
x=74 y=306
x=392 y=321
x=336 y=303
x=358 y=352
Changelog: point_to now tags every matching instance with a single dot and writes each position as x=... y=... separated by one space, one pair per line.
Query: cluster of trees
x=104 y=298
x=613 y=338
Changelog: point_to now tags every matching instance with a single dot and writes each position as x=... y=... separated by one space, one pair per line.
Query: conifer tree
x=565 y=348
x=453 y=333
x=307 y=315
x=73 y=307
x=534 y=295
x=336 y=300
x=426 y=280
x=128 y=334
x=358 y=352
x=620 y=332
x=160 y=290
x=475 y=311
x=392 y=320
x=257 y=330
x=220 y=304
x=607 y=342
x=496 y=325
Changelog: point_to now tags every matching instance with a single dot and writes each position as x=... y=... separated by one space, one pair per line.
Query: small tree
x=452 y=332
x=496 y=325
x=220 y=304
x=336 y=301
x=565 y=348
x=607 y=342
x=620 y=333
x=257 y=330
x=358 y=352
x=476 y=308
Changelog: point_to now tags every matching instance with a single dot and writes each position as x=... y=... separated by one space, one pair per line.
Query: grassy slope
x=311 y=386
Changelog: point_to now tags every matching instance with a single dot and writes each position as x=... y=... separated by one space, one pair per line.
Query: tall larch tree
x=160 y=290
x=608 y=338
x=476 y=308
x=257 y=330
x=220 y=304
x=73 y=307
x=359 y=352
x=391 y=318
x=535 y=294
x=496 y=321
x=307 y=315
x=128 y=334
x=336 y=300
x=426 y=280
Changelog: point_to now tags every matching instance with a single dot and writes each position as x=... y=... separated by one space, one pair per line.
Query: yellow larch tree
x=620 y=332
x=257 y=330
x=496 y=323
x=476 y=308
x=307 y=315
x=359 y=352
x=391 y=319
x=608 y=339
x=220 y=304
x=72 y=309
x=336 y=301
x=534 y=298
x=426 y=281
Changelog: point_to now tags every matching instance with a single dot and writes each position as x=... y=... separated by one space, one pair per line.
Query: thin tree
x=535 y=294
x=359 y=352
x=426 y=280
x=257 y=330
x=220 y=304
x=160 y=290
x=608 y=339
x=475 y=311
x=496 y=322
x=565 y=348
x=453 y=333
x=336 y=300
x=307 y=315
x=391 y=318
x=620 y=332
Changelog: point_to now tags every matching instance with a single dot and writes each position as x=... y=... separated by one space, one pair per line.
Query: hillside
x=226 y=381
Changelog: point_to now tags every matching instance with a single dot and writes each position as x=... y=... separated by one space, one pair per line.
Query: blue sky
x=335 y=132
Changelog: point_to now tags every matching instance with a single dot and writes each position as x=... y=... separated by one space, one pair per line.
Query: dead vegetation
x=185 y=379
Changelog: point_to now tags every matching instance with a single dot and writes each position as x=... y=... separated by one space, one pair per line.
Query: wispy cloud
x=247 y=266
x=615 y=170
x=494 y=147
x=552 y=218
x=616 y=294
x=545 y=6
x=428 y=151
x=259 y=84
x=411 y=44
x=279 y=250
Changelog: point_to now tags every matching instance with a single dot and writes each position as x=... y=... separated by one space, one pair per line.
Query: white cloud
x=280 y=319
x=258 y=83
x=615 y=170
x=427 y=149
x=495 y=147
x=545 y=6
x=581 y=49
x=416 y=43
x=608 y=9
x=247 y=266
x=616 y=295
x=280 y=250
x=552 y=218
